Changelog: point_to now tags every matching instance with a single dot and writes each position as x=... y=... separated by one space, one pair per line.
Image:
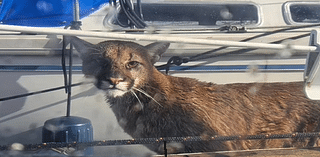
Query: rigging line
x=194 y=58
x=134 y=14
x=139 y=9
x=278 y=31
x=70 y=81
x=39 y=92
x=255 y=37
x=75 y=25
x=247 y=49
x=127 y=9
x=241 y=51
x=297 y=135
x=63 y=62
x=124 y=9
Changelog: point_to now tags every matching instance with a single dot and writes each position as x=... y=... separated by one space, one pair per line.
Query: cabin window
x=198 y=14
x=302 y=12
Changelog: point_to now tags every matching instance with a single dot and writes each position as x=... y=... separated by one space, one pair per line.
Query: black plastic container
x=68 y=129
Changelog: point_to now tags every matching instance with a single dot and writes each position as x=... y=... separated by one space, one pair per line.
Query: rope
x=39 y=92
x=32 y=147
x=176 y=60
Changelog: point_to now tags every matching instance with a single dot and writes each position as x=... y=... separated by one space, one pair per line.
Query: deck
x=278 y=152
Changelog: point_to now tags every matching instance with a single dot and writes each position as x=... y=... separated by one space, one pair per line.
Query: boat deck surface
x=280 y=152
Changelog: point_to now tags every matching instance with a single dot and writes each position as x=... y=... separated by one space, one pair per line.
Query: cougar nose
x=115 y=81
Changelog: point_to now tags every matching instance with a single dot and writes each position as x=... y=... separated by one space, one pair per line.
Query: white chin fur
x=120 y=89
x=115 y=92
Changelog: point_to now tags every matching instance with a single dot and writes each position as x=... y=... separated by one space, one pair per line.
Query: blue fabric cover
x=45 y=13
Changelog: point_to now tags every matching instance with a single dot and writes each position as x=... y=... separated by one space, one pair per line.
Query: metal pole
x=76 y=18
x=76 y=12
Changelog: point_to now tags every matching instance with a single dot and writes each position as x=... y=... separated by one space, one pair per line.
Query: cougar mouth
x=113 y=90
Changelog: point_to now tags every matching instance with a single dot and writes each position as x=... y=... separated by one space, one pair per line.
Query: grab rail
x=156 y=37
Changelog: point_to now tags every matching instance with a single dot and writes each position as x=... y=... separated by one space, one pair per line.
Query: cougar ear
x=83 y=47
x=156 y=49
x=91 y=60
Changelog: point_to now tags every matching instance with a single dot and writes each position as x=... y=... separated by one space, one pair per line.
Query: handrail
x=156 y=37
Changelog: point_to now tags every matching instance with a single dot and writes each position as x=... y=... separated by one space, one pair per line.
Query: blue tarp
x=45 y=13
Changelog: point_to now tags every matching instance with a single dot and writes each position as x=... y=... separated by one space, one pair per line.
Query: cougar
x=150 y=104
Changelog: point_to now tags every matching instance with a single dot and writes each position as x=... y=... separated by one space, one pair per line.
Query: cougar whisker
x=133 y=93
x=146 y=94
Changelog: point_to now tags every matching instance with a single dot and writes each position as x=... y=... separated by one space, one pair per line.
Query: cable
x=139 y=9
x=176 y=60
x=203 y=55
x=39 y=92
x=63 y=62
x=126 y=9
x=70 y=81
x=297 y=135
x=133 y=18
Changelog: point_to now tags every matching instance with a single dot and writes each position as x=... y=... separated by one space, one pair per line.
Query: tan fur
x=159 y=105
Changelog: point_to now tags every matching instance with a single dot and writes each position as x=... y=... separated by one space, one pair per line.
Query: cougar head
x=119 y=66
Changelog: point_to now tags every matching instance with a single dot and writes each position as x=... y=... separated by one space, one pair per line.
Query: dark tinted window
x=200 y=14
x=303 y=12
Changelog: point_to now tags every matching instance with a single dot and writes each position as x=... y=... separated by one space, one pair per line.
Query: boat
x=211 y=40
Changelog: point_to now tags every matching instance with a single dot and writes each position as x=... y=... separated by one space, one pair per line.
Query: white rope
x=155 y=37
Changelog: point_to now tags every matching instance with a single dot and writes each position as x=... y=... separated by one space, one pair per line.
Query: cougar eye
x=132 y=64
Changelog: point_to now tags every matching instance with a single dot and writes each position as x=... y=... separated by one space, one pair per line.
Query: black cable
x=39 y=92
x=113 y=3
x=118 y=22
x=202 y=55
x=121 y=24
x=70 y=81
x=125 y=9
x=32 y=147
x=245 y=49
x=165 y=148
x=139 y=9
x=133 y=18
x=63 y=62
x=176 y=60
x=193 y=58
x=75 y=25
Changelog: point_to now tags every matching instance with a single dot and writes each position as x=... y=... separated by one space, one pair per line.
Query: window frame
x=287 y=12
